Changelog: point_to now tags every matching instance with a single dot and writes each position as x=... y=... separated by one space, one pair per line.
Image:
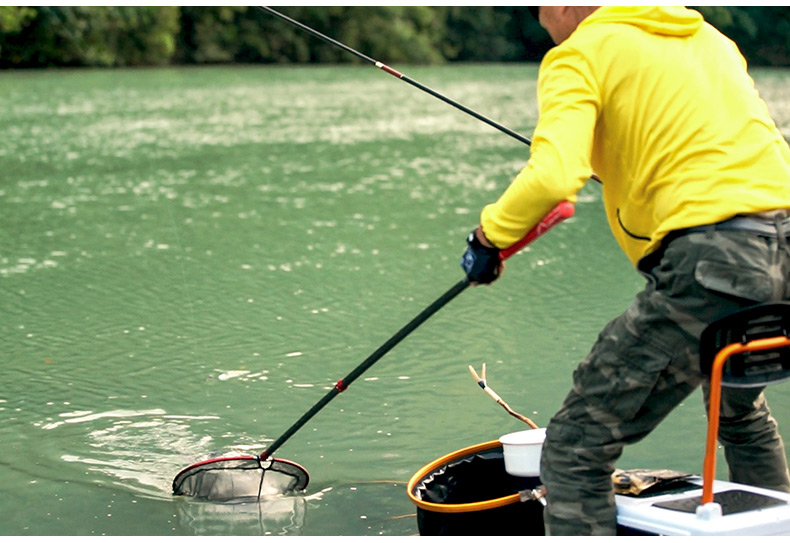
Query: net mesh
x=240 y=478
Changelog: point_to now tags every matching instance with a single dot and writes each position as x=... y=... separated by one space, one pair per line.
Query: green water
x=190 y=258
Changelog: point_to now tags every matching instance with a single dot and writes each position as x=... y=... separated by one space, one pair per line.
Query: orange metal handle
x=714 y=409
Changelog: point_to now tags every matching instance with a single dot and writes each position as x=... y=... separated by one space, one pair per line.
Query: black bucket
x=468 y=492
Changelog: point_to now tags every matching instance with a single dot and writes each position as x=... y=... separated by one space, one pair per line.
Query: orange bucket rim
x=462 y=507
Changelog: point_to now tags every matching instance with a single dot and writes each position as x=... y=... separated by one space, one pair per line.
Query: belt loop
x=780 y=232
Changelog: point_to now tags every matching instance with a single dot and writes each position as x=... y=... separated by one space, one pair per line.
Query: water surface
x=190 y=258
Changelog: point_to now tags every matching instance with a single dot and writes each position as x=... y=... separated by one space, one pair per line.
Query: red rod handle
x=562 y=211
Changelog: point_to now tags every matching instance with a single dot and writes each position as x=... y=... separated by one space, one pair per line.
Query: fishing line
x=190 y=301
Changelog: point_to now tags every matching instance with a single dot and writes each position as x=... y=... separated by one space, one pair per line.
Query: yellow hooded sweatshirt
x=659 y=104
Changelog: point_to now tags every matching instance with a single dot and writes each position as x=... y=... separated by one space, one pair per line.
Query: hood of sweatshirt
x=665 y=20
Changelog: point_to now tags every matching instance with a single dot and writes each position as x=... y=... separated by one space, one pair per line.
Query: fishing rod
x=406 y=79
x=399 y=75
x=236 y=476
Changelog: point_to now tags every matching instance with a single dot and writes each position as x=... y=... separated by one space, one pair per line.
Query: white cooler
x=744 y=510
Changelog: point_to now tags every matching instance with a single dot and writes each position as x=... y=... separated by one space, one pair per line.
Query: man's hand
x=481 y=261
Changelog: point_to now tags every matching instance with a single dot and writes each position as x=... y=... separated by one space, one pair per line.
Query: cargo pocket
x=620 y=373
x=745 y=282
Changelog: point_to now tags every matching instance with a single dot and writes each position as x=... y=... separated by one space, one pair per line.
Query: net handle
x=561 y=212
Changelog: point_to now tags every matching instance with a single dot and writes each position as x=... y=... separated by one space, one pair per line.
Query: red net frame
x=240 y=478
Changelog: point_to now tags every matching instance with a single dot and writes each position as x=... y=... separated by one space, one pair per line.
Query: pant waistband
x=771 y=224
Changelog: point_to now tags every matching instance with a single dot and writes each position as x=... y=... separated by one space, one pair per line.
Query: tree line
x=116 y=36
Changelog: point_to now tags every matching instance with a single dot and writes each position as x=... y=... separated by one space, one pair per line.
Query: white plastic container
x=522 y=452
x=644 y=515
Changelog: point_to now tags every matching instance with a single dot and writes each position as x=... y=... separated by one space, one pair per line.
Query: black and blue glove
x=480 y=263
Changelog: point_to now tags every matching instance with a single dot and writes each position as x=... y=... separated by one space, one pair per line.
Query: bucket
x=522 y=452
x=468 y=492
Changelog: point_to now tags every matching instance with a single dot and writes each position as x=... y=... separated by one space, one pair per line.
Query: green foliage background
x=34 y=37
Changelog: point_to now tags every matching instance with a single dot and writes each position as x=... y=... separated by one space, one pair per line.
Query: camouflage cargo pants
x=645 y=363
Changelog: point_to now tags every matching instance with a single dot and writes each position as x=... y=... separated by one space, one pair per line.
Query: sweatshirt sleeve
x=559 y=164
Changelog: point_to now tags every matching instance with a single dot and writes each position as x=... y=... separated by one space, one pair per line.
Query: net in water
x=240 y=478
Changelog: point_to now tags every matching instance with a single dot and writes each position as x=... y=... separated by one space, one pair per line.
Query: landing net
x=240 y=478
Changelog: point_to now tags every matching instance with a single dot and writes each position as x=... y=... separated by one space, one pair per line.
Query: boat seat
x=749 y=348
x=749 y=367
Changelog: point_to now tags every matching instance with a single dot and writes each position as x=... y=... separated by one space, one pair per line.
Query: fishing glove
x=480 y=263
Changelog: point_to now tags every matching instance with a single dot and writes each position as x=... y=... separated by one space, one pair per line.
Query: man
x=696 y=181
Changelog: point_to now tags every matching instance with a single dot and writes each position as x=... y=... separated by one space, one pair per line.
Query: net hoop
x=233 y=478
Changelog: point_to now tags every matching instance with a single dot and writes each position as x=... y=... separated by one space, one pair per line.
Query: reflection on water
x=135 y=449
x=278 y=516
x=190 y=258
x=367 y=509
